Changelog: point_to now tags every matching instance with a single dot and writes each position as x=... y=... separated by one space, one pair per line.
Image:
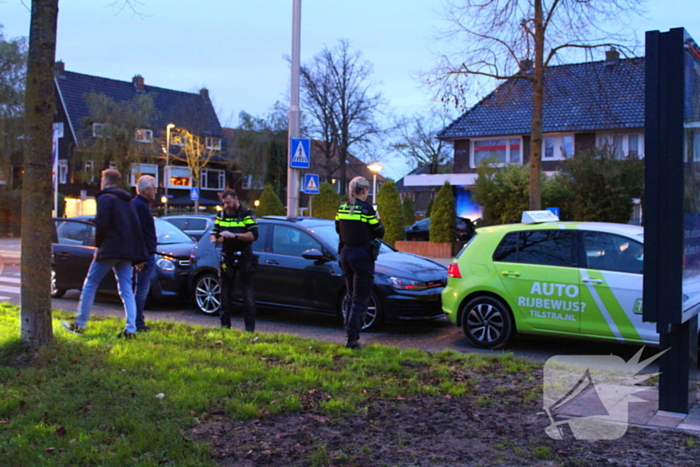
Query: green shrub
x=443 y=224
x=409 y=212
x=429 y=209
x=502 y=192
x=270 y=203
x=391 y=212
x=325 y=204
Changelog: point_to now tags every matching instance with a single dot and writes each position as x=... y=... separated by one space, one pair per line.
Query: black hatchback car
x=298 y=269
x=73 y=248
x=420 y=230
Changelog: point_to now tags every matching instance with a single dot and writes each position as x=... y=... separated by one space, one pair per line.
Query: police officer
x=358 y=226
x=236 y=229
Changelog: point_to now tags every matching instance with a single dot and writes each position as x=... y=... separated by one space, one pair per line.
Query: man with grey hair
x=146 y=191
x=358 y=227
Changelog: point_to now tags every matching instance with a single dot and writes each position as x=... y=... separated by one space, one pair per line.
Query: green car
x=578 y=279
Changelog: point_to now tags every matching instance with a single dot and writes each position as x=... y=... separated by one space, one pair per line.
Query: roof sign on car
x=532 y=217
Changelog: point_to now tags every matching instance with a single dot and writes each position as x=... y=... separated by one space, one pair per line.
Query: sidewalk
x=641 y=414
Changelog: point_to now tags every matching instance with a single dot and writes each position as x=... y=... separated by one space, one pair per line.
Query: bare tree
x=13 y=67
x=35 y=301
x=340 y=102
x=418 y=141
x=518 y=39
x=196 y=154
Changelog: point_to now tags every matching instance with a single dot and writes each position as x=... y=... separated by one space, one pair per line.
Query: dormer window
x=213 y=143
x=178 y=139
x=144 y=136
x=97 y=130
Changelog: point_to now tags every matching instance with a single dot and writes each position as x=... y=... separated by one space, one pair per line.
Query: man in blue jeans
x=120 y=246
x=145 y=196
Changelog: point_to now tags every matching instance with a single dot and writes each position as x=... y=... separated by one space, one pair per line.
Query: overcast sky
x=237 y=48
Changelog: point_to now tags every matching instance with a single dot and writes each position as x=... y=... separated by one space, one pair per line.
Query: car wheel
x=55 y=292
x=487 y=322
x=374 y=316
x=207 y=294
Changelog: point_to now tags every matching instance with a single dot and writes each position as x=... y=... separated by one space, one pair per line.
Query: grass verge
x=97 y=400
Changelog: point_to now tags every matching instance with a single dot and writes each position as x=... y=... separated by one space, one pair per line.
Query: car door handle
x=593 y=281
x=510 y=273
x=272 y=261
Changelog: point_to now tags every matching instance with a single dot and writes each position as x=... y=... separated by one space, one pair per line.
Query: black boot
x=352 y=344
x=250 y=325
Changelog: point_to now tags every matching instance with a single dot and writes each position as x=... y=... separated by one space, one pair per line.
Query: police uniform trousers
x=243 y=266
x=358 y=267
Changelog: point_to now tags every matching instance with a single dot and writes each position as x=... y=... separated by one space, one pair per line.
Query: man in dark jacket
x=145 y=196
x=120 y=246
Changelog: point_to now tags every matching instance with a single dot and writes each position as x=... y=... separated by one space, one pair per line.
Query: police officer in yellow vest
x=236 y=229
x=358 y=226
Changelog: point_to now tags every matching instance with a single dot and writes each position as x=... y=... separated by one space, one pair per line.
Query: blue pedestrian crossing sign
x=311 y=184
x=194 y=193
x=300 y=155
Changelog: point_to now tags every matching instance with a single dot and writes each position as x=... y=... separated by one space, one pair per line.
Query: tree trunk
x=537 y=105
x=37 y=187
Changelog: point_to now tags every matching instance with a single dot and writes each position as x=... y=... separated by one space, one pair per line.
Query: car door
x=538 y=271
x=72 y=254
x=611 y=284
x=293 y=280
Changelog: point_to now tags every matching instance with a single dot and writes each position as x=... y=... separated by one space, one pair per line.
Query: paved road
x=432 y=336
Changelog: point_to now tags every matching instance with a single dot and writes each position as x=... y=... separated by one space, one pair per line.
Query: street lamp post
x=166 y=174
x=375 y=168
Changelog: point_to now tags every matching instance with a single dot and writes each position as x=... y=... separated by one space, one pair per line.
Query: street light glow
x=375 y=168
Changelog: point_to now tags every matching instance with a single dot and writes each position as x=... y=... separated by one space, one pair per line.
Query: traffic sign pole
x=294 y=112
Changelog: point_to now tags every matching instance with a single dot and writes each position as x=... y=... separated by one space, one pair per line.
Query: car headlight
x=166 y=264
x=400 y=283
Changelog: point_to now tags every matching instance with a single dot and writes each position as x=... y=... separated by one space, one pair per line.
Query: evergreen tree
x=325 y=204
x=409 y=212
x=270 y=203
x=443 y=223
x=391 y=212
x=429 y=209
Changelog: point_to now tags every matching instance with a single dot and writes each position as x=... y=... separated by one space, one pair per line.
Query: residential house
x=585 y=105
x=193 y=112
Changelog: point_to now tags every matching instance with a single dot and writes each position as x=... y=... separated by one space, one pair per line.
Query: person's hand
x=140 y=266
x=227 y=234
x=214 y=238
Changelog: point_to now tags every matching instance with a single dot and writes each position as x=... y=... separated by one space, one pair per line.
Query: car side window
x=290 y=241
x=259 y=244
x=546 y=247
x=75 y=233
x=611 y=252
x=179 y=223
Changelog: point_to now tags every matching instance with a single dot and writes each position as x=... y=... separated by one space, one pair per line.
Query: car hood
x=402 y=264
x=176 y=250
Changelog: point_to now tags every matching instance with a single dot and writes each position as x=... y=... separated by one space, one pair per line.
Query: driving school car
x=578 y=279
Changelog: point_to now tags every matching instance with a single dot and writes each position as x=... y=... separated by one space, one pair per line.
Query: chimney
x=612 y=57
x=139 y=83
x=204 y=92
x=60 y=69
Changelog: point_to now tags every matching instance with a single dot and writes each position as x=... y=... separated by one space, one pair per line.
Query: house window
x=137 y=170
x=90 y=170
x=97 y=130
x=247 y=181
x=144 y=136
x=178 y=177
x=62 y=171
x=178 y=139
x=213 y=143
x=557 y=147
x=213 y=179
x=503 y=151
x=622 y=145
x=112 y=165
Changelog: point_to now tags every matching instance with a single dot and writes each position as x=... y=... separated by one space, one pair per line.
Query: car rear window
x=545 y=247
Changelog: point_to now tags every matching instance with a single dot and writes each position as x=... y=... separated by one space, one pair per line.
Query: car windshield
x=167 y=233
x=328 y=233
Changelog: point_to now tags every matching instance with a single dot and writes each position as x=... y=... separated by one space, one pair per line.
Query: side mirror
x=314 y=255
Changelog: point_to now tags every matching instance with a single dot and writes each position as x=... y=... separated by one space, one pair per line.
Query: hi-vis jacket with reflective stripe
x=242 y=221
x=357 y=224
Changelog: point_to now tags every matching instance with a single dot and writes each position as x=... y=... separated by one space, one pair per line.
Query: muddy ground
x=501 y=423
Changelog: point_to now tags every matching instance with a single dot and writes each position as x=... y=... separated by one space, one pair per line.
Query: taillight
x=453 y=271
x=192 y=254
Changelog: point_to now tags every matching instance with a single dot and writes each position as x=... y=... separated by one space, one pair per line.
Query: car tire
x=487 y=322
x=374 y=317
x=55 y=292
x=207 y=294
